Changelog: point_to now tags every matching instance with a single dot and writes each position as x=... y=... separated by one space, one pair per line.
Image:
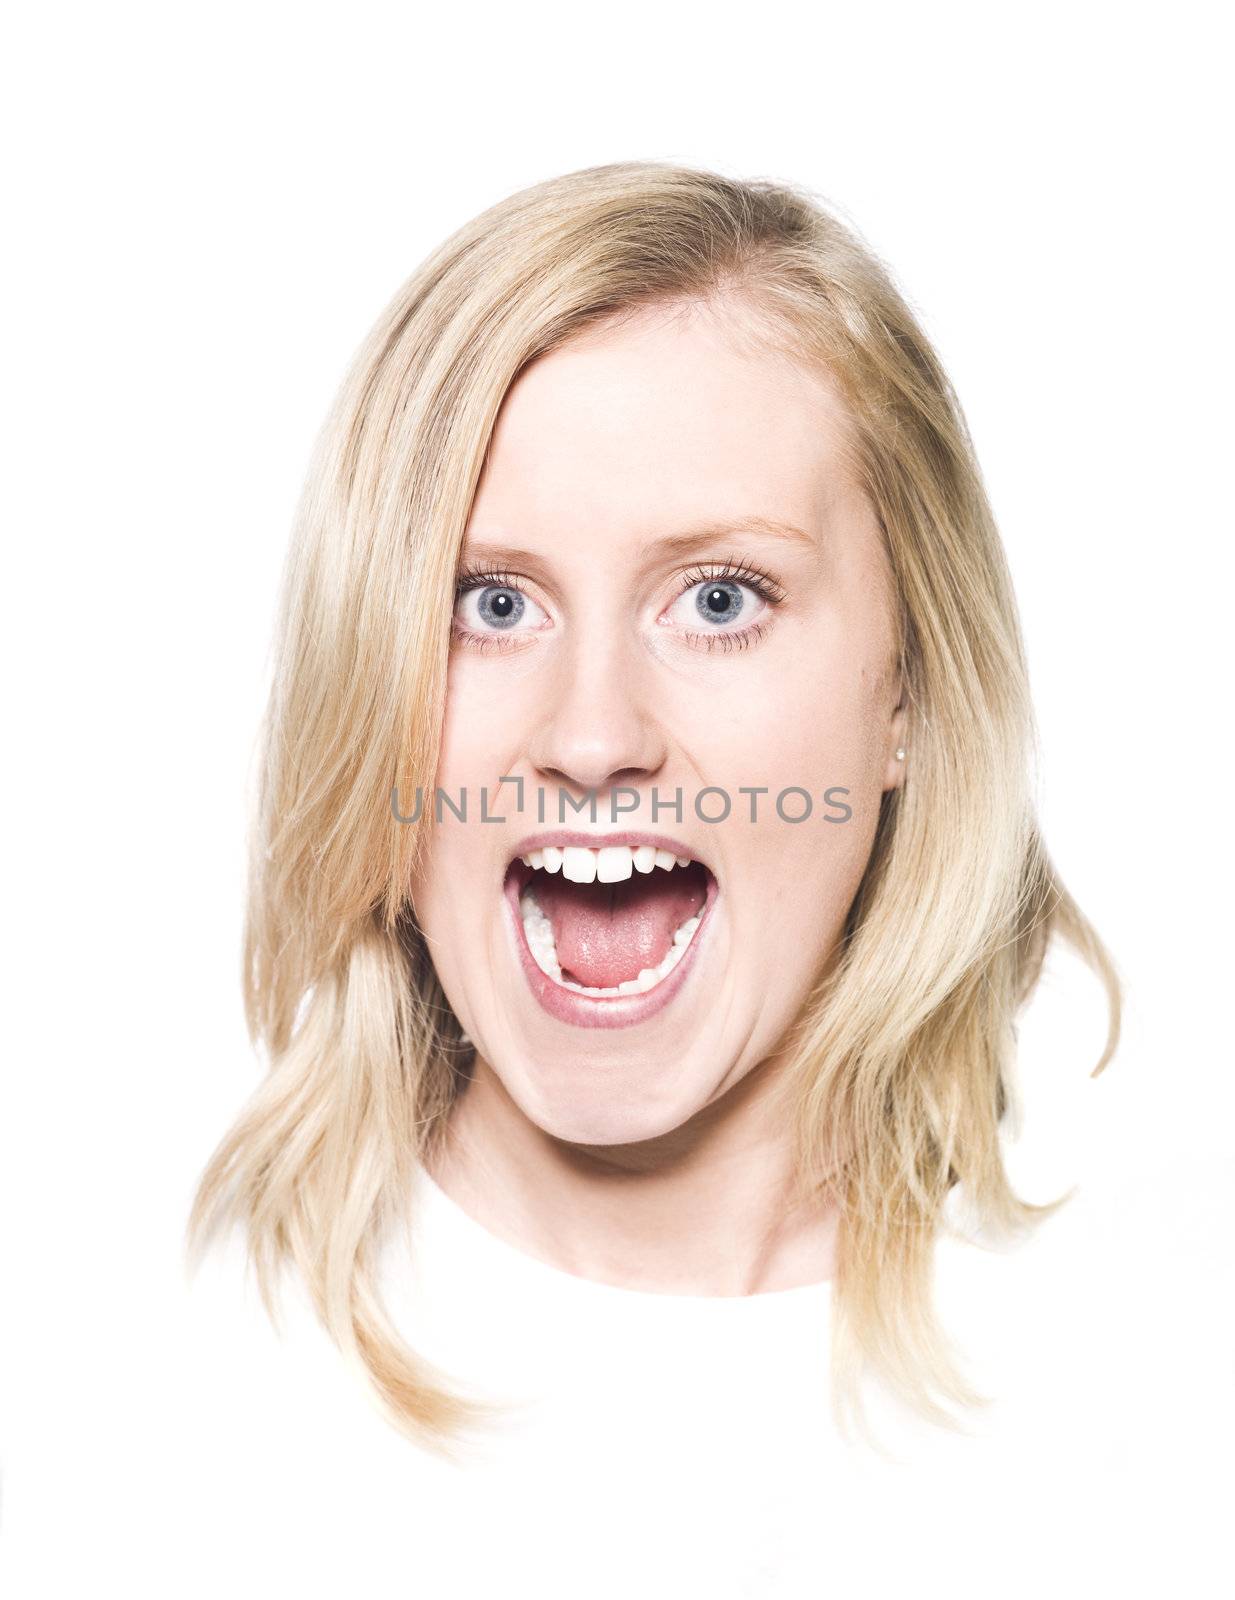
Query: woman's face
x=670 y=585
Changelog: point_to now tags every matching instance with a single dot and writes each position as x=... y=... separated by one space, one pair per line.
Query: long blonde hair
x=902 y=1057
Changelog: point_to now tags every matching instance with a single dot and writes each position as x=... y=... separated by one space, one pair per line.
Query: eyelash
x=482 y=578
x=732 y=571
x=740 y=571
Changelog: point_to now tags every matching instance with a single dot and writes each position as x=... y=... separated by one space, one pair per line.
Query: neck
x=708 y=1209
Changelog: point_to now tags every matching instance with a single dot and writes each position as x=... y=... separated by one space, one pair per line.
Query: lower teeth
x=538 y=931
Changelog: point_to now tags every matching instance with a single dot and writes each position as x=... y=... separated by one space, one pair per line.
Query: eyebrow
x=683 y=543
x=689 y=539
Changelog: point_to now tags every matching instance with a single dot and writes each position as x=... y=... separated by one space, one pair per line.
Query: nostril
x=580 y=789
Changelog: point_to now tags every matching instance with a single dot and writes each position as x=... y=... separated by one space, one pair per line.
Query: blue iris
x=719 y=602
x=500 y=608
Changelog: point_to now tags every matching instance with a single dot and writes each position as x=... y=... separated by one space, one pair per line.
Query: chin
x=588 y=1101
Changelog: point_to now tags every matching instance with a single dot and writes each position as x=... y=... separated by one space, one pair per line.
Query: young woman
x=647 y=875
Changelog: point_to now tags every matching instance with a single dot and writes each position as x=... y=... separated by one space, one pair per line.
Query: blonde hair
x=901 y=1060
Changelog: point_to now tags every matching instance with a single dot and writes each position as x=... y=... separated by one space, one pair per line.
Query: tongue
x=607 y=933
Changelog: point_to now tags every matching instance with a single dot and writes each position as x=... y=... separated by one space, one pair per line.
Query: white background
x=208 y=206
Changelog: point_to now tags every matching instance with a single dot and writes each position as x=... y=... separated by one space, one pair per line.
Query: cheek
x=481 y=724
x=812 y=727
x=815 y=730
x=461 y=767
x=462 y=724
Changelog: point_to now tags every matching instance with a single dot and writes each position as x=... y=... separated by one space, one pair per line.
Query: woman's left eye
x=717 y=604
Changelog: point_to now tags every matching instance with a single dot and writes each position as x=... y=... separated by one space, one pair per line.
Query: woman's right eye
x=496 y=608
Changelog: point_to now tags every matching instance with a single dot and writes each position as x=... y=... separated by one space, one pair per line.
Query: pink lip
x=615 y=1011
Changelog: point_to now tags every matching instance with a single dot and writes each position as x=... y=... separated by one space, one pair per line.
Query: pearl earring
x=900 y=754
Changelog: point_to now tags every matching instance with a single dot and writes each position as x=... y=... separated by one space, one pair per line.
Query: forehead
x=670 y=418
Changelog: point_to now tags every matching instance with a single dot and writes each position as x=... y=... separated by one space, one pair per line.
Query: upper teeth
x=609 y=864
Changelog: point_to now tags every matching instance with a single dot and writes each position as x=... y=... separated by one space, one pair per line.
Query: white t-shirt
x=667 y=1446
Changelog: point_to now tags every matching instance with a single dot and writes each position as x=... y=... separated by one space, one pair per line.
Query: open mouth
x=609 y=923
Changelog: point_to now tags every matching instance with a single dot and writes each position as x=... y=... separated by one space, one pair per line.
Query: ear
x=897 y=730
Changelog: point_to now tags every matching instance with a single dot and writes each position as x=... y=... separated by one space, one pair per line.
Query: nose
x=598 y=726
